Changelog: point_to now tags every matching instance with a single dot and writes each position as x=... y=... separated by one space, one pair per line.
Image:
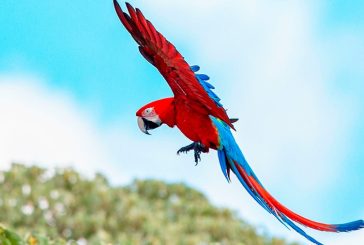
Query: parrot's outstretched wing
x=155 y=48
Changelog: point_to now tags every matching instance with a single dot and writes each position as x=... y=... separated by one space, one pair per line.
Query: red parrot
x=196 y=110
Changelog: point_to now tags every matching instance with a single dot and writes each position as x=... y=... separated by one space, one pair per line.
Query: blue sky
x=291 y=71
x=83 y=51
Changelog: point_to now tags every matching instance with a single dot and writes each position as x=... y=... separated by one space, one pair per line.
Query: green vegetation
x=43 y=205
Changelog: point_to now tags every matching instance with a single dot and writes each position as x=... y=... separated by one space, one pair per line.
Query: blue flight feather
x=209 y=85
x=202 y=78
x=195 y=68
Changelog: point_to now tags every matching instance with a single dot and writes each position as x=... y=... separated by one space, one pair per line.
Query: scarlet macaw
x=196 y=110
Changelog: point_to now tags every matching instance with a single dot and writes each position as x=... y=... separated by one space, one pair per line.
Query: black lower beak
x=150 y=125
x=145 y=125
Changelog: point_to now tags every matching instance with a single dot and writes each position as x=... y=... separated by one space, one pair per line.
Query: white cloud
x=42 y=126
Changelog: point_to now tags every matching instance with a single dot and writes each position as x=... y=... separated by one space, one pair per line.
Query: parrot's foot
x=198 y=149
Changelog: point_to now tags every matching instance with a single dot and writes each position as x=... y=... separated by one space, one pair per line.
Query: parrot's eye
x=148 y=110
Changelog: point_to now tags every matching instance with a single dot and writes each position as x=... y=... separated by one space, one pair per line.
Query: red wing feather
x=164 y=56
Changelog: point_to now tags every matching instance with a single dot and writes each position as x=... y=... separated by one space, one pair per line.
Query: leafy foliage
x=61 y=205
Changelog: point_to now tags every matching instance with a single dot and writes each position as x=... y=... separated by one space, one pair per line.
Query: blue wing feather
x=195 y=68
x=203 y=78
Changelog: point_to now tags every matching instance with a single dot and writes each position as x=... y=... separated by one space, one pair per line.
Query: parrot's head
x=156 y=113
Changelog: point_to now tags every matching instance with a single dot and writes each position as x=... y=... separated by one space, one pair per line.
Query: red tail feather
x=275 y=205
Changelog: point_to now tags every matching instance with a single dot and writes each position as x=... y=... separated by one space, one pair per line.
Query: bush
x=54 y=206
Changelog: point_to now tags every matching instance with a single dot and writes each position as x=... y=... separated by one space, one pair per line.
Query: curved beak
x=142 y=125
x=145 y=124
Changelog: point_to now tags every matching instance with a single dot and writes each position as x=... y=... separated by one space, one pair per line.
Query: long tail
x=231 y=158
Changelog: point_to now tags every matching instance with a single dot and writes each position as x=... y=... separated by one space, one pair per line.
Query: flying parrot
x=198 y=113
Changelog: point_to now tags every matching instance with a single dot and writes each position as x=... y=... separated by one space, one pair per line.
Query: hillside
x=61 y=205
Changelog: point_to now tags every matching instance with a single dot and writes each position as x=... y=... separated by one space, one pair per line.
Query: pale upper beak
x=141 y=125
x=146 y=124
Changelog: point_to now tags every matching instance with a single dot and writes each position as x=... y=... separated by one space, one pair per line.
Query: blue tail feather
x=222 y=160
x=351 y=226
x=299 y=230
x=231 y=157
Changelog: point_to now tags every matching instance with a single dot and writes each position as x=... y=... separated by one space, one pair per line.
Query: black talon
x=186 y=149
x=197 y=147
